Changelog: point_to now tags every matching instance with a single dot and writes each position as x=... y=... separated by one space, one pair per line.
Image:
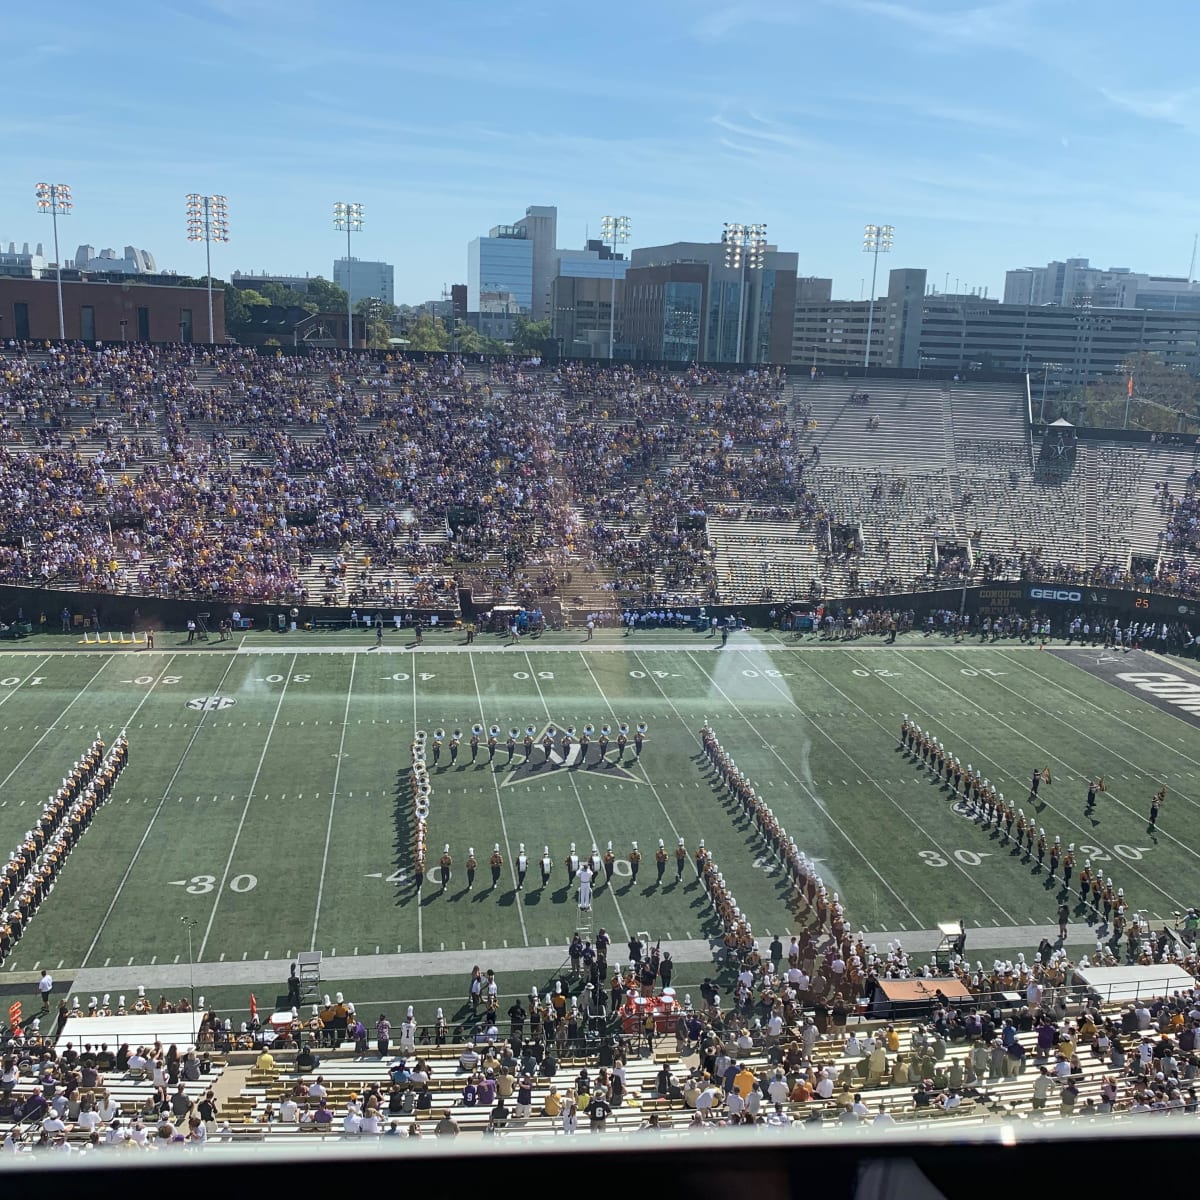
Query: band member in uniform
x=603 y=740
x=547 y=743
x=1093 y=787
x=527 y=743
x=565 y=743
x=493 y=734
x=476 y=730
x=572 y=864
x=903 y=731
x=622 y=740
x=1068 y=866
x=635 y=861
x=1055 y=855
x=472 y=864
x=438 y=737
x=609 y=859
x=455 y=739
x=1156 y=803
x=546 y=864
x=1085 y=881
x=585 y=742
x=1034 y=784
x=445 y=863
x=522 y=866
x=660 y=861
x=680 y=858
x=639 y=739
x=585 y=887
x=496 y=862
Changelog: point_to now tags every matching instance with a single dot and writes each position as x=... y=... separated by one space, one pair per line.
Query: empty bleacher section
x=223 y=475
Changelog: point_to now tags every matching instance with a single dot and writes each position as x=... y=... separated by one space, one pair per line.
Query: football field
x=266 y=802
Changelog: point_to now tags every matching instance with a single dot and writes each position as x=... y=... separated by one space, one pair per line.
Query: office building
x=23 y=263
x=1078 y=342
x=511 y=272
x=132 y=262
x=684 y=304
x=1117 y=287
x=587 y=300
x=363 y=280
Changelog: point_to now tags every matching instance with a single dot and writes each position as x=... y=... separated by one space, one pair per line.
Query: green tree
x=428 y=333
x=530 y=337
x=327 y=297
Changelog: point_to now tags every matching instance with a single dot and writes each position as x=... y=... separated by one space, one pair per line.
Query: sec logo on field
x=211 y=703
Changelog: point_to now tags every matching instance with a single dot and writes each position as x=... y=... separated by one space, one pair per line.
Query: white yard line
x=337 y=775
x=1049 y=757
x=245 y=809
x=512 y=865
x=12 y=691
x=420 y=903
x=812 y=794
x=54 y=724
x=645 y=774
x=154 y=816
x=578 y=798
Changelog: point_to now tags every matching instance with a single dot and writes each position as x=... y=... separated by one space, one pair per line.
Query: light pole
x=207 y=222
x=53 y=200
x=745 y=247
x=348 y=217
x=613 y=232
x=877 y=240
x=1046 y=369
x=190 y=923
x=124 y=322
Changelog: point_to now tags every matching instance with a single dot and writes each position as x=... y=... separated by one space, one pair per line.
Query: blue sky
x=991 y=134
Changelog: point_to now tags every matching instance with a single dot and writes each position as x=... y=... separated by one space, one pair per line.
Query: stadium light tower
x=190 y=923
x=877 y=240
x=348 y=217
x=614 y=231
x=54 y=200
x=745 y=249
x=207 y=222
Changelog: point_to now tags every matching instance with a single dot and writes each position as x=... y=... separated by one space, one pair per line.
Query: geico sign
x=1054 y=594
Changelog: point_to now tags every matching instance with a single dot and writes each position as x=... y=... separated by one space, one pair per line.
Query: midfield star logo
x=539 y=768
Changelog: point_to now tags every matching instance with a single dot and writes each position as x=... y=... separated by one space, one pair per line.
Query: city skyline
x=991 y=135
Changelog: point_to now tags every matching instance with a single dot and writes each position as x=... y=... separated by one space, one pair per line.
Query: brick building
x=109 y=312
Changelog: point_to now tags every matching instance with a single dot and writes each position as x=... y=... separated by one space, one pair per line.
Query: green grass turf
x=273 y=823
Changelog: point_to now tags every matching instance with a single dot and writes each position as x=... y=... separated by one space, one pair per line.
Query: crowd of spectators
x=223 y=474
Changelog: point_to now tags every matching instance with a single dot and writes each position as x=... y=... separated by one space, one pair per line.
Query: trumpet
x=589 y=729
x=641 y=728
x=494 y=731
x=477 y=730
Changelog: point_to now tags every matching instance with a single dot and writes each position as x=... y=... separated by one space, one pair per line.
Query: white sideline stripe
x=337 y=774
x=245 y=809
